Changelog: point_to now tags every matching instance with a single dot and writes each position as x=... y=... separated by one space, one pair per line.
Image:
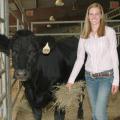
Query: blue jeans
x=99 y=89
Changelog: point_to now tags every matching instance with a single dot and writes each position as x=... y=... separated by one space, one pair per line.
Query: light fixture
x=59 y=3
x=75 y=5
x=51 y=18
x=48 y=26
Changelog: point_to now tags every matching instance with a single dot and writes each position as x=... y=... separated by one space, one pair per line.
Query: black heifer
x=21 y=51
x=20 y=46
x=50 y=65
x=44 y=70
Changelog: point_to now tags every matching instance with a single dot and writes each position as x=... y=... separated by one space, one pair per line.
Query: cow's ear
x=11 y=42
x=4 y=44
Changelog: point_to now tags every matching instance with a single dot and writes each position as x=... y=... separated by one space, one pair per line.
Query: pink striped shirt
x=101 y=55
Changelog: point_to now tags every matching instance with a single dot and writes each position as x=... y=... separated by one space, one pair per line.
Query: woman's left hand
x=114 y=89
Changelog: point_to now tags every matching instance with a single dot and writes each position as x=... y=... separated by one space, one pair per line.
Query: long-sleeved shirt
x=101 y=55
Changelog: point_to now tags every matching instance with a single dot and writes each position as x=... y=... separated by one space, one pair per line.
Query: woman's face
x=94 y=16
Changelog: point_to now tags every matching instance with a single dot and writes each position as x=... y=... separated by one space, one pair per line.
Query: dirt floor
x=25 y=113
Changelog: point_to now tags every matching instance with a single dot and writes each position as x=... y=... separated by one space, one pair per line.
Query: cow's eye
x=14 y=52
x=30 y=51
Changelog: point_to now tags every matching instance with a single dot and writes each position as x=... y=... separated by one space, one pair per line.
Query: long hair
x=87 y=27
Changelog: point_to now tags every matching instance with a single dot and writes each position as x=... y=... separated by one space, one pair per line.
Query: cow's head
x=22 y=41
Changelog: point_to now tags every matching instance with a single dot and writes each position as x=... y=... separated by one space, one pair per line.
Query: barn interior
x=58 y=18
x=35 y=11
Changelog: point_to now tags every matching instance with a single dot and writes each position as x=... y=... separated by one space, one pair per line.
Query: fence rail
x=112 y=14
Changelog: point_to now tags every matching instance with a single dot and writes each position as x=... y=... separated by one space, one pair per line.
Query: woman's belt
x=107 y=73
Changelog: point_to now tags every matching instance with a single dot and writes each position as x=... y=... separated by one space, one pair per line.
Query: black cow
x=21 y=44
x=40 y=72
x=50 y=65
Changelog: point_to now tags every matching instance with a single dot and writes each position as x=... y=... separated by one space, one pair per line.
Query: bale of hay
x=68 y=100
x=24 y=112
x=48 y=112
x=71 y=112
x=1 y=118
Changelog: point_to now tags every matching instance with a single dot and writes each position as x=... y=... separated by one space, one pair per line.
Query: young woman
x=101 y=68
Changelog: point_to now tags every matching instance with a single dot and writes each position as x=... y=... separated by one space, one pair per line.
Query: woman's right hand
x=69 y=85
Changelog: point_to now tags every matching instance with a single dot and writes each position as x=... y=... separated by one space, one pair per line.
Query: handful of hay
x=69 y=100
x=66 y=98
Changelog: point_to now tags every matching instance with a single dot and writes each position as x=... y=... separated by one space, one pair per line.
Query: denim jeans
x=99 y=89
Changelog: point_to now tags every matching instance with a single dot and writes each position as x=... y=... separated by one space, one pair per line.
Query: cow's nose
x=21 y=75
x=21 y=72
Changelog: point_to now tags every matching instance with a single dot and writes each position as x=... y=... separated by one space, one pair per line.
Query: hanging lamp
x=59 y=3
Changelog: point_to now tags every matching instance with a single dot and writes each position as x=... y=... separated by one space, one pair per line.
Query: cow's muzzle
x=21 y=75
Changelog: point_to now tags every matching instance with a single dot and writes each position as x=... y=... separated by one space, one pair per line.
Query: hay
x=65 y=97
x=1 y=118
x=71 y=112
x=24 y=112
x=69 y=100
x=48 y=113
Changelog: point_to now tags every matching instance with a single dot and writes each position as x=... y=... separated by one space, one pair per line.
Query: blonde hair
x=87 y=27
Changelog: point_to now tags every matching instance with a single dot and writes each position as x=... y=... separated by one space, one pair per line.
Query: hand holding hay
x=69 y=100
x=65 y=97
x=69 y=86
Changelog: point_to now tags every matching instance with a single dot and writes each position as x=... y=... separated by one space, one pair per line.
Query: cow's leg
x=30 y=97
x=59 y=114
x=80 y=111
x=37 y=113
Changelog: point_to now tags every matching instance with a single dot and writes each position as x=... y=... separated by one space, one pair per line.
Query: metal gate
x=113 y=23
x=7 y=83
